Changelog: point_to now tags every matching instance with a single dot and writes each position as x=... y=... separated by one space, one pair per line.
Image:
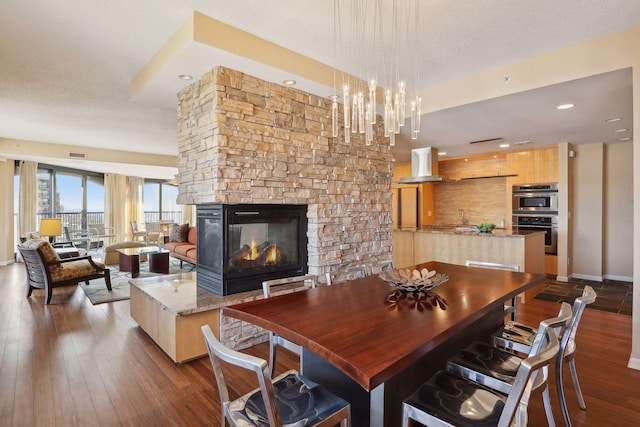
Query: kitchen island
x=451 y=245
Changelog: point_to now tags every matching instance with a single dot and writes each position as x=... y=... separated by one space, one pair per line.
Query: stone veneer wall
x=245 y=140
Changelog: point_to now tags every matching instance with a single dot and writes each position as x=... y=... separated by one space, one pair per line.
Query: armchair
x=45 y=269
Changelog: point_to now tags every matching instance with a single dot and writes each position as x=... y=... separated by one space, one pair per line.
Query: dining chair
x=451 y=400
x=307 y=281
x=518 y=337
x=137 y=233
x=290 y=399
x=360 y=270
x=496 y=367
x=508 y=309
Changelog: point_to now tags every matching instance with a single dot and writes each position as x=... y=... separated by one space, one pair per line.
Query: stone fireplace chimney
x=245 y=140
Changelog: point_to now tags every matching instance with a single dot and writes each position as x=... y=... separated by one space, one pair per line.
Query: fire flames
x=272 y=255
x=253 y=254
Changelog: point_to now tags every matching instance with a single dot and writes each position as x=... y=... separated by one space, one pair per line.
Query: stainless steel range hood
x=424 y=166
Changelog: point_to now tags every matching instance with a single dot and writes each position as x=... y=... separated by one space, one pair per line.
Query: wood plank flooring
x=75 y=364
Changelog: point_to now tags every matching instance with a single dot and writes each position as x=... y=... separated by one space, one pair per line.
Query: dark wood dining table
x=373 y=345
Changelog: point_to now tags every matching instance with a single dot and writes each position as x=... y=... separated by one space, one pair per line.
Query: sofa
x=181 y=244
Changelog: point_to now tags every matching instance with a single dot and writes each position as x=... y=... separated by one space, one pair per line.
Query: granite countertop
x=179 y=294
x=452 y=230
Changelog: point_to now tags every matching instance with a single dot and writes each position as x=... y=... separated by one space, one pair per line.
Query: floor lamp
x=50 y=227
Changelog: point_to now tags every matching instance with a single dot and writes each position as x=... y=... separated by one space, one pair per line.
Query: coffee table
x=129 y=260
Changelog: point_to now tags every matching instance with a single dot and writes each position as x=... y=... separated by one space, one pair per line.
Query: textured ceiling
x=66 y=67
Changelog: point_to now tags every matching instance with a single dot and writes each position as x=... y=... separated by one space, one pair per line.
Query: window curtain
x=28 y=198
x=189 y=214
x=135 y=208
x=115 y=205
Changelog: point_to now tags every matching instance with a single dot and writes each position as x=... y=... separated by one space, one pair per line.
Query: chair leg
x=561 y=395
x=49 y=291
x=546 y=398
x=576 y=384
x=30 y=290
x=107 y=278
x=272 y=352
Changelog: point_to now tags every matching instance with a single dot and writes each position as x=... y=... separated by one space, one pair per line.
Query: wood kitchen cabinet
x=535 y=166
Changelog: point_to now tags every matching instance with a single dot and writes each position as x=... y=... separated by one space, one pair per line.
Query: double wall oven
x=535 y=208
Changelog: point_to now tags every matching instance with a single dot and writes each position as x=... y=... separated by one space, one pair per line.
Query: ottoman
x=111 y=251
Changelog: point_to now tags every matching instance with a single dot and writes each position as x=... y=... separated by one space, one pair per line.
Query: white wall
x=6 y=211
x=587 y=214
x=618 y=211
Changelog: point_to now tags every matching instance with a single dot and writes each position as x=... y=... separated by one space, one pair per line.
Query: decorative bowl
x=485 y=227
x=408 y=280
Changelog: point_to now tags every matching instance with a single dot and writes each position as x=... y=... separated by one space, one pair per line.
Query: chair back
x=308 y=281
x=34 y=264
x=134 y=226
x=580 y=303
x=540 y=357
x=493 y=265
x=219 y=353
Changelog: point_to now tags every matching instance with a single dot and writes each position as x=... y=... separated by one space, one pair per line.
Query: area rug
x=612 y=295
x=97 y=291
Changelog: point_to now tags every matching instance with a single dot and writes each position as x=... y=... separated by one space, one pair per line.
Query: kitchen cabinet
x=534 y=166
x=413 y=205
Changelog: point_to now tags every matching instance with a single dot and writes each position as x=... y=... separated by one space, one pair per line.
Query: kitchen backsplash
x=483 y=200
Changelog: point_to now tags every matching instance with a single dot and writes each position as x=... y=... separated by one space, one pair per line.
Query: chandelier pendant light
x=377 y=40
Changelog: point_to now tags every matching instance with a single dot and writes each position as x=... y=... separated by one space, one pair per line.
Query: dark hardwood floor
x=75 y=364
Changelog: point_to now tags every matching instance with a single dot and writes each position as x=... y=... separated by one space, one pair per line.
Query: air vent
x=486 y=140
x=78 y=155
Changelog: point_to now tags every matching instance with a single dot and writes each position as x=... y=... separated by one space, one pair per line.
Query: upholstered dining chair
x=519 y=337
x=307 y=281
x=451 y=400
x=497 y=368
x=288 y=400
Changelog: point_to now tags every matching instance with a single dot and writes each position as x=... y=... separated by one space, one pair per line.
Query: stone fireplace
x=242 y=140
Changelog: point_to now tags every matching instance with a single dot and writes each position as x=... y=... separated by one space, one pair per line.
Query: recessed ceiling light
x=442 y=153
x=565 y=106
x=185 y=77
x=288 y=82
x=521 y=142
x=625 y=139
x=621 y=130
x=613 y=119
x=504 y=145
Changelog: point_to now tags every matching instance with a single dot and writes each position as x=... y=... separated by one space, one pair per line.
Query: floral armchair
x=45 y=269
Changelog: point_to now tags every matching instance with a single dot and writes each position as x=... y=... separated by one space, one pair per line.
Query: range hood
x=424 y=166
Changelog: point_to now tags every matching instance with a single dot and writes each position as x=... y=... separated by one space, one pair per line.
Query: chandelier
x=379 y=56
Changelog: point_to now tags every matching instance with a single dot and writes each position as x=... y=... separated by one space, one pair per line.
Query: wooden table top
x=353 y=326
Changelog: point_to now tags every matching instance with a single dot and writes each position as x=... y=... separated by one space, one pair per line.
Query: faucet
x=461 y=215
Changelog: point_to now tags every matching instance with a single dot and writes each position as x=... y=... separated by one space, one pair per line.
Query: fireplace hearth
x=240 y=246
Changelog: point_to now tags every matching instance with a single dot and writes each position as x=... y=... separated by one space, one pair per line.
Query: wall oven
x=535 y=198
x=525 y=224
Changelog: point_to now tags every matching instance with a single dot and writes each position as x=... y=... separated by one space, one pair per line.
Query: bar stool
x=518 y=337
x=290 y=399
x=449 y=400
x=308 y=281
x=508 y=309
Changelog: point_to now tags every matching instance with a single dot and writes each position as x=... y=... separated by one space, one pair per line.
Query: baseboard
x=587 y=277
x=3 y=263
x=618 y=278
x=634 y=363
x=562 y=279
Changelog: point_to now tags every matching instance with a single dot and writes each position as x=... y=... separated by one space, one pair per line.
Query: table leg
x=159 y=262
x=129 y=263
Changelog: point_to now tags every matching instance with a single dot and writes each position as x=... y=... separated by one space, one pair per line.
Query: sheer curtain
x=189 y=214
x=27 y=213
x=115 y=205
x=135 y=208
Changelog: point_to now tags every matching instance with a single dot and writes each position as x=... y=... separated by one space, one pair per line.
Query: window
x=160 y=202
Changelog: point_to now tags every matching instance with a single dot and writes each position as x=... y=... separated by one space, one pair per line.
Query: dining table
x=373 y=344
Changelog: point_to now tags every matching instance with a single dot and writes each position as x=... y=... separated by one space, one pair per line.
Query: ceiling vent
x=78 y=155
x=486 y=140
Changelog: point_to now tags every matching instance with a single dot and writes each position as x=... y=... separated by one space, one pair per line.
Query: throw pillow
x=179 y=233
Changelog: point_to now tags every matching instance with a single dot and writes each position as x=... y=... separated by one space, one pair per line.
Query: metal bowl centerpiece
x=408 y=280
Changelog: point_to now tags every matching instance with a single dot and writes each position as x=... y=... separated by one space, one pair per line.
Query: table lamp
x=50 y=227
